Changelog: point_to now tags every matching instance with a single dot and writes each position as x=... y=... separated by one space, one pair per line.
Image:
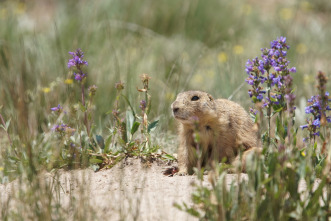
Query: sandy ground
x=130 y=190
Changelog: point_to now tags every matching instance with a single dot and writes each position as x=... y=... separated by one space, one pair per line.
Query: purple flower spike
x=78 y=63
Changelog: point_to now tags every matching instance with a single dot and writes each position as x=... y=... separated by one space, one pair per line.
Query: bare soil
x=131 y=190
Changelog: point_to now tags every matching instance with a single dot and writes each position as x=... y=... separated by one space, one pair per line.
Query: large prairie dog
x=223 y=127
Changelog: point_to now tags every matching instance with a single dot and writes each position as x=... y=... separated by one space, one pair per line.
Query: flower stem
x=289 y=123
x=269 y=108
x=85 y=112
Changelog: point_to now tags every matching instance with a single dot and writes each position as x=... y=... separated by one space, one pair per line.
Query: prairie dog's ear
x=210 y=97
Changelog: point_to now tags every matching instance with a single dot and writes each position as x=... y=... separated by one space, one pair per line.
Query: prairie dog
x=223 y=127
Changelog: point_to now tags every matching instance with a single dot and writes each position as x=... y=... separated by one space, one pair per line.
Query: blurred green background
x=182 y=45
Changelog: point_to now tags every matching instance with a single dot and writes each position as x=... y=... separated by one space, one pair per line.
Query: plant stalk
x=85 y=112
x=269 y=109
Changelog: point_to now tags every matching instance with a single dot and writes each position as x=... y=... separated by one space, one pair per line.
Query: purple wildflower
x=317 y=133
x=266 y=102
x=143 y=105
x=278 y=81
x=58 y=108
x=63 y=128
x=317 y=122
x=250 y=80
x=78 y=63
x=79 y=77
x=77 y=59
x=260 y=97
x=253 y=111
x=317 y=107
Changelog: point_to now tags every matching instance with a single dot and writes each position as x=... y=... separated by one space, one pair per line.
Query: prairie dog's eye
x=195 y=98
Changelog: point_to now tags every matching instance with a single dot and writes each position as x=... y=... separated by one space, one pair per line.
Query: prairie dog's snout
x=175 y=110
x=175 y=107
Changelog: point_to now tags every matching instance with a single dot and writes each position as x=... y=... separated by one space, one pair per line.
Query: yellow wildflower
x=20 y=9
x=46 y=90
x=222 y=57
x=306 y=6
x=238 y=49
x=170 y=96
x=247 y=9
x=286 y=13
x=303 y=153
x=68 y=81
x=301 y=49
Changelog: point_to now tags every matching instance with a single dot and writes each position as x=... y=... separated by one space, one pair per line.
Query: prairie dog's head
x=191 y=106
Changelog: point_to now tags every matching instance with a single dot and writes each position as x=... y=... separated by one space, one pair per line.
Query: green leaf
x=124 y=134
x=152 y=125
x=322 y=137
x=100 y=141
x=278 y=108
x=82 y=107
x=280 y=130
x=178 y=206
x=7 y=124
x=170 y=157
x=135 y=127
x=95 y=161
x=130 y=119
x=127 y=100
x=5 y=127
x=108 y=140
x=254 y=99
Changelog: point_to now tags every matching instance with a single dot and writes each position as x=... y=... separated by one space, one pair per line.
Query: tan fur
x=222 y=127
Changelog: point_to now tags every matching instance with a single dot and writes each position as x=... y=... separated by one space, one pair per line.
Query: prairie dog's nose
x=175 y=109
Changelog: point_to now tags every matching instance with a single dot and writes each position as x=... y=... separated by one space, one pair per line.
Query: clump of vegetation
x=274 y=188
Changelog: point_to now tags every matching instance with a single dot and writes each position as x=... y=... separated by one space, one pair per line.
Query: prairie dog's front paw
x=182 y=172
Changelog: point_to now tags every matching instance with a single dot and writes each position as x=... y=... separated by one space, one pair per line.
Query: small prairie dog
x=218 y=128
